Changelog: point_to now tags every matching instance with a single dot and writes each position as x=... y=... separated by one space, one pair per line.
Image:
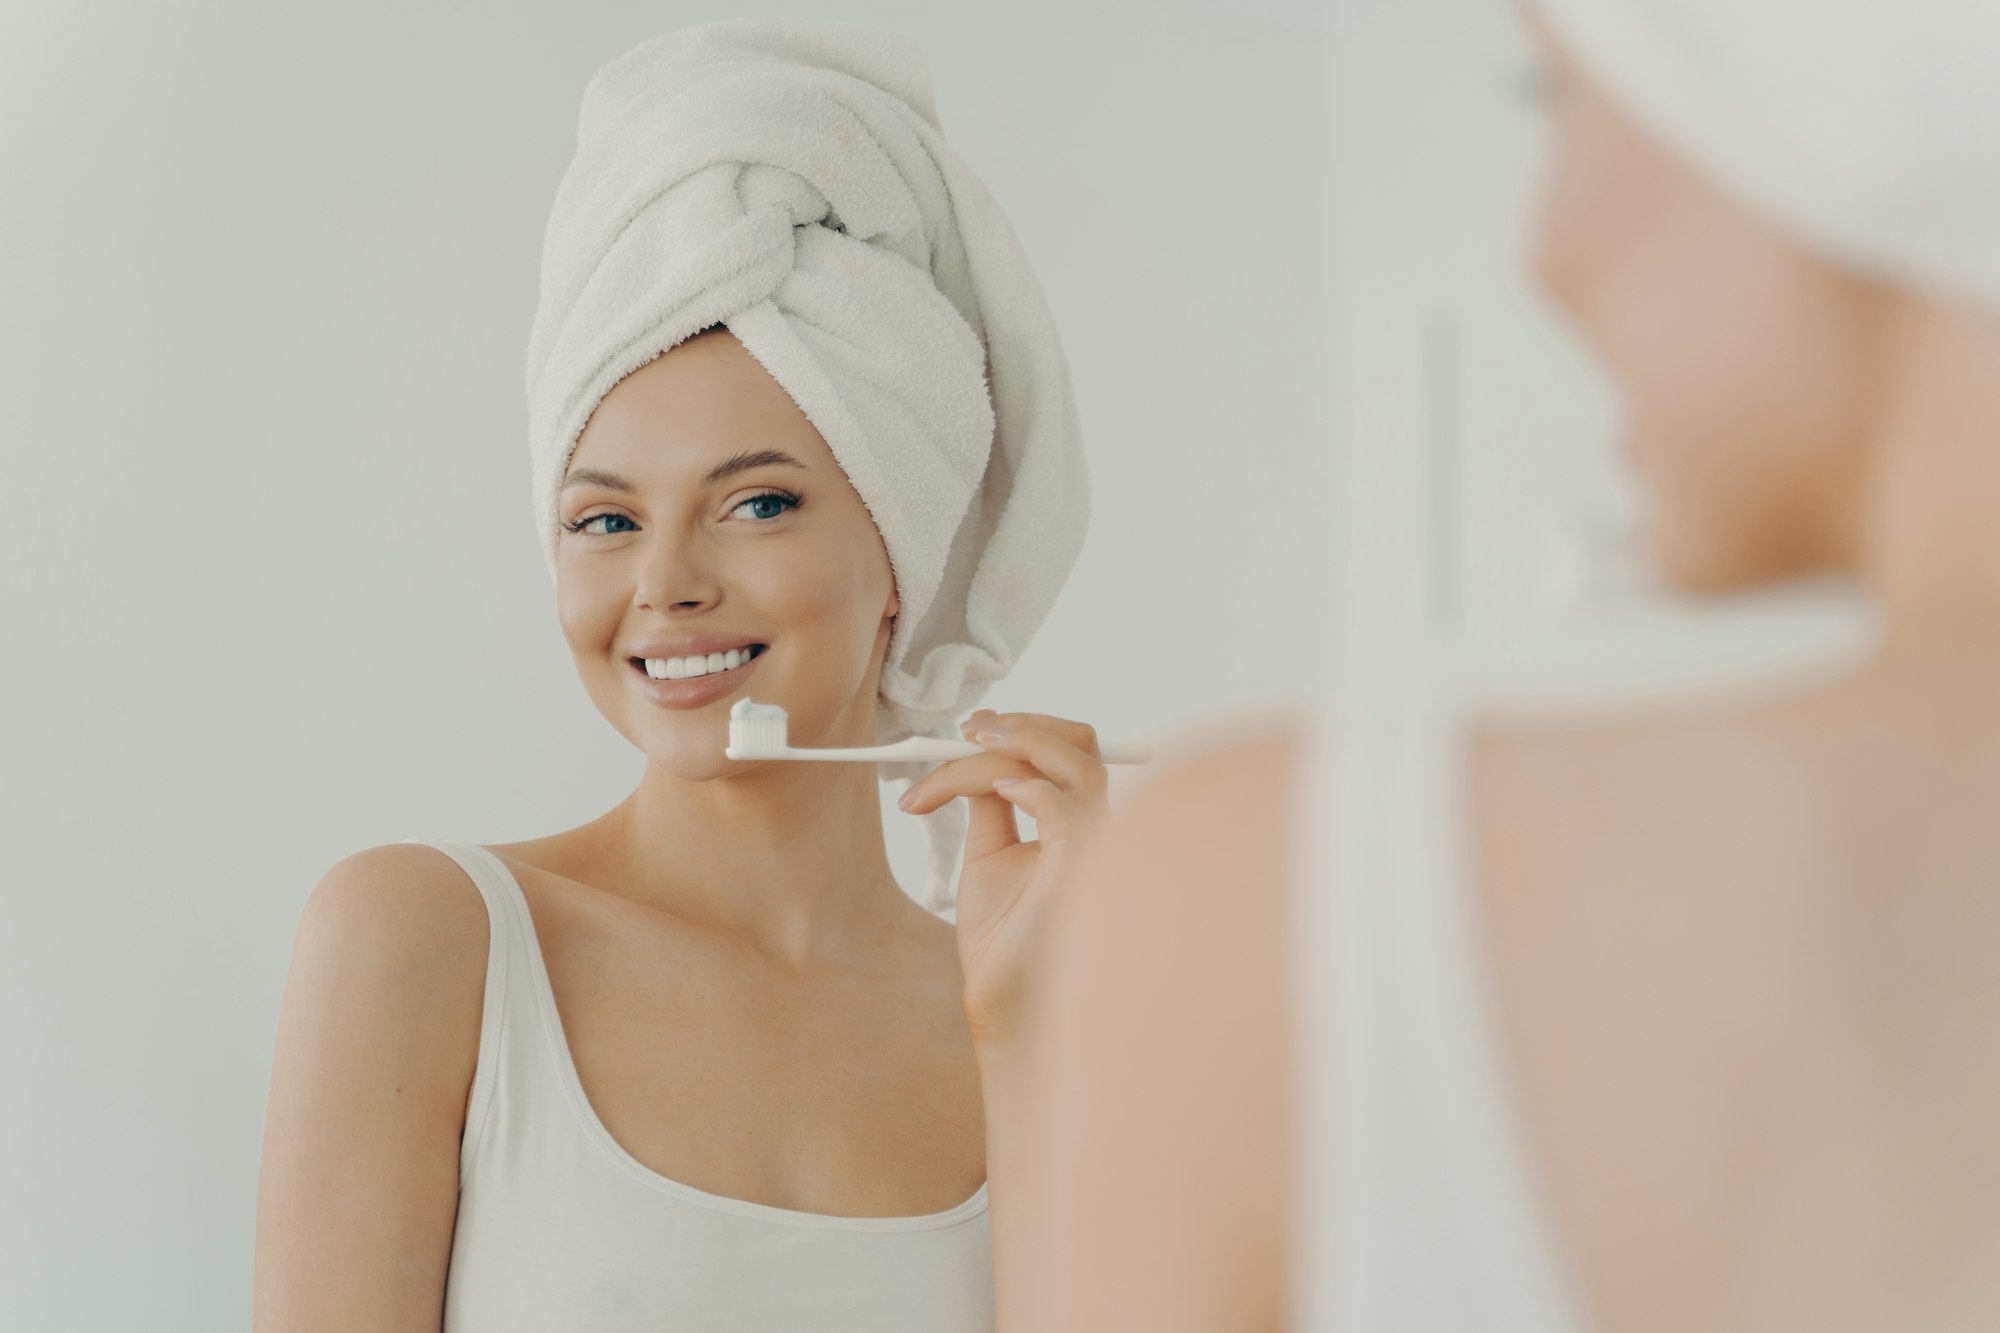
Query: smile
x=687 y=668
x=721 y=676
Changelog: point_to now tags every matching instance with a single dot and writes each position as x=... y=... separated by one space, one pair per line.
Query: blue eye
x=776 y=503
x=583 y=523
x=785 y=500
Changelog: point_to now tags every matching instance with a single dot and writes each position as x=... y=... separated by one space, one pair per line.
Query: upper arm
x=1168 y=1125
x=357 y=1191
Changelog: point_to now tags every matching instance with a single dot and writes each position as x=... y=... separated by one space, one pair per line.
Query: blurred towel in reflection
x=1865 y=128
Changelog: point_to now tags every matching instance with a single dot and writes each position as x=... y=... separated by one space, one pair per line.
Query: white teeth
x=686 y=668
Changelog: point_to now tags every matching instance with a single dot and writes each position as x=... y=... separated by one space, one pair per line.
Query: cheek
x=1564 y=229
x=1709 y=325
x=1737 y=361
x=1593 y=214
x=590 y=611
x=1746 y=415
x=832 y=585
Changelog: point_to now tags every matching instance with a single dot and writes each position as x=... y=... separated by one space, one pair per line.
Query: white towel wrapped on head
x=789 y=178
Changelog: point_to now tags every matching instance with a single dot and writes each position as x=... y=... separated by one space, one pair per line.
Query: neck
x=788 y=856
x=1929 y=549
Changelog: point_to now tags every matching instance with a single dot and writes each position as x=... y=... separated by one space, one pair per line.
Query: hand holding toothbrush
x=1051 y=768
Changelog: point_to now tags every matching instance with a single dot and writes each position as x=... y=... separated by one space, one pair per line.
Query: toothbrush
x=757 y=731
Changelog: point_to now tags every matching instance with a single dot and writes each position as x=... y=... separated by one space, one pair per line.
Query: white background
x=272 y=588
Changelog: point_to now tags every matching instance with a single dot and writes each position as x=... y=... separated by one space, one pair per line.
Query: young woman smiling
x=701 y=1062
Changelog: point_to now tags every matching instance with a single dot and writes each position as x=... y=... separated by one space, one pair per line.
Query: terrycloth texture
x=1870 y=129
x=789 y=178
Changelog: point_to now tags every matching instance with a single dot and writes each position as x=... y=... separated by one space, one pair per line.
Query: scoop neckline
x=594 y=1127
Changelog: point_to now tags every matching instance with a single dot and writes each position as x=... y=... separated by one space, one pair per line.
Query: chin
x=693 y=763
x=687 y=745
x=1697 y=559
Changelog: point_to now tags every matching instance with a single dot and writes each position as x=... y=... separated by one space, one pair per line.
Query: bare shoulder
x=1193 y=869
x=1197 y=859
x=394 y=941
x=1193 y=873
x=376 y=1046
x=1221 y=808
x=1170 y=1110
x=1248 y=774
x=400 y=898
x=398 y=925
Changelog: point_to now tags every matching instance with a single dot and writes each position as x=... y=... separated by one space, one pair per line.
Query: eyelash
x=792 y=501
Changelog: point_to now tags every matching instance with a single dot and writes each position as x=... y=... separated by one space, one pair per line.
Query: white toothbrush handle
x=934 y=747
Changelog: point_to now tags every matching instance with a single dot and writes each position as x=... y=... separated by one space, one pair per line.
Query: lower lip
x=697 y=690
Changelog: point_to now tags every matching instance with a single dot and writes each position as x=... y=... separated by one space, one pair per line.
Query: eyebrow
x=728 y=467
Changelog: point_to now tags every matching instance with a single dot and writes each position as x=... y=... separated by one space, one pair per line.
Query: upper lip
x=688 y=645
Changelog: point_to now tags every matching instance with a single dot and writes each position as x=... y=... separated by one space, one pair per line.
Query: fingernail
x=1006 y=784
x=991 y=730
x=907 y=799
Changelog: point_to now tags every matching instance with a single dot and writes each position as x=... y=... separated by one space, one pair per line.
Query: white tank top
x=560 y=1228
x=1418 y=1208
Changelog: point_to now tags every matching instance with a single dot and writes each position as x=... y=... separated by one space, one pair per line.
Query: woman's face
x=1745 y=362
x=801 y=570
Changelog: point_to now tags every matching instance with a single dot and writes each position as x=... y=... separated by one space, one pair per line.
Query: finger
x=1026 y=749
x=1063 y=824
x=1017 y=754
x=971 y=776
x=1080 y=734
x=1051 y=755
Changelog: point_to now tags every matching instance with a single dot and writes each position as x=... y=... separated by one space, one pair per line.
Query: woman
x=722 y=1071
x=1676 y=1021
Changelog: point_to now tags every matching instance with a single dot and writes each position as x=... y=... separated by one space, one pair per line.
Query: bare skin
x=761 y=906
x=718 y=1066
x=754 y=1005
x=1743 y=952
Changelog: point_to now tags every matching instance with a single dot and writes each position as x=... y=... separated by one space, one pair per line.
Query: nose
x=676 y=575
x=1550 y=263
x=1542 y=266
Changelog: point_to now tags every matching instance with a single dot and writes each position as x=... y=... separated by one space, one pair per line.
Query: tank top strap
x=509 y=1015
x=1420 y=1210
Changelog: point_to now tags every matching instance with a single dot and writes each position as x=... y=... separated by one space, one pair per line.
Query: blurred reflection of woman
x=1675 y=1021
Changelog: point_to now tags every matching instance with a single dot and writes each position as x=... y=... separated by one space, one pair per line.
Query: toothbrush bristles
x=755 y=726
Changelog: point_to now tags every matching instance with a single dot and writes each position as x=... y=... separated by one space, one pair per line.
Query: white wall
x=271 y=582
